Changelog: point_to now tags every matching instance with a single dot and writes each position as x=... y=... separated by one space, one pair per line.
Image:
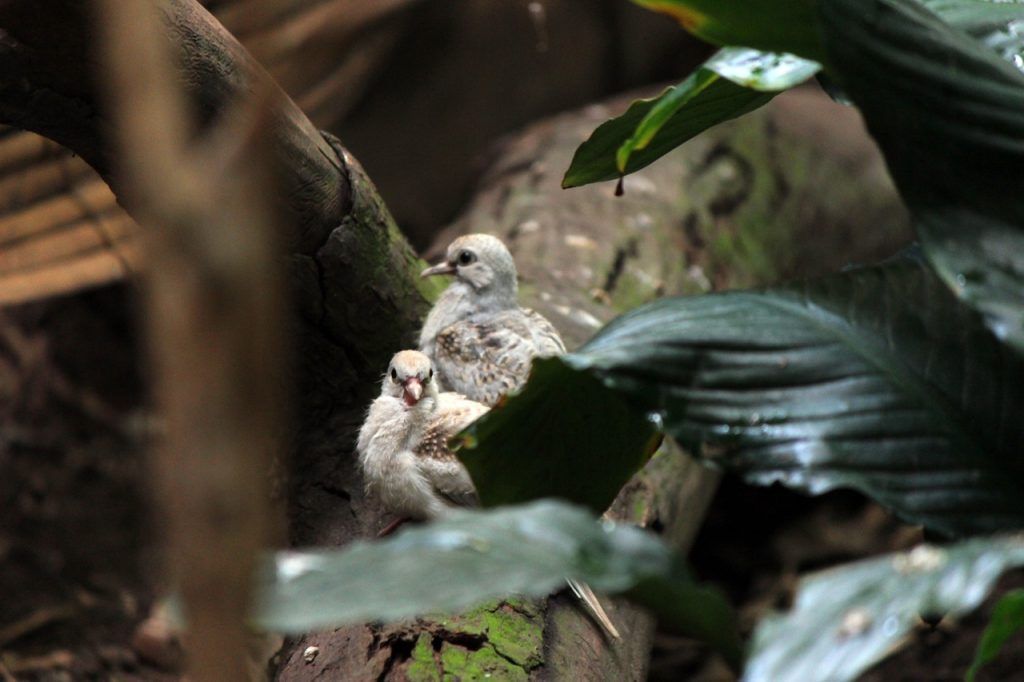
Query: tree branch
x=48 y=68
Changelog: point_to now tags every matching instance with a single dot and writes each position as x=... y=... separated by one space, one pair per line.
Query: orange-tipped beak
x=413 y=391
x=439 y=269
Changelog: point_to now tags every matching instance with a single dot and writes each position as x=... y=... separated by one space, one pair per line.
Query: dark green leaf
x=875 y=379
x=595 y=159
x=1007 y=620
x=845 y=619
x=572 y=440
x=761 y=71
x=996 y=23
x=833 y=90
x=665 y=107
x=770 y=25
x=948 y=113
x=474 y=556
x=733 y=82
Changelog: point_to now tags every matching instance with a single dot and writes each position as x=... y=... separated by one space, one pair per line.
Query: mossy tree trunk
x=734 y=207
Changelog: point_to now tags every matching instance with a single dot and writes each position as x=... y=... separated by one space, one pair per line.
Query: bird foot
x=393 y=526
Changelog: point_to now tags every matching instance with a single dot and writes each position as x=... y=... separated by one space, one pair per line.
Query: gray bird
x=404 y=454
x=479 y=339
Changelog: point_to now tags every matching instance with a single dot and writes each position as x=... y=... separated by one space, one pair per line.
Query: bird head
x=481 y=261
x=410 y=377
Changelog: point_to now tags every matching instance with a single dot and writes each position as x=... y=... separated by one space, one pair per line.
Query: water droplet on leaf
x=656 y=418
x=855 y=622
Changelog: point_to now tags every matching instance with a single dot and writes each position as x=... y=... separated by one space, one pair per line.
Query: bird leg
x=393 y=526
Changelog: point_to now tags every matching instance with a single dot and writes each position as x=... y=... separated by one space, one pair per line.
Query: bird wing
x=487 y=356
x=436 y=460
x=545 y=337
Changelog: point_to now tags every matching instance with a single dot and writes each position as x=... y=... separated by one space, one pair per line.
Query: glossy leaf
x=733 y=82
x=760 y=71
x=948 y=113
x=1007 y=620
x=770 y=25
x=875 y=379
x=475 y=556
x=665 y=107
x=847 y=618
x=573 y=441
x=596 y=159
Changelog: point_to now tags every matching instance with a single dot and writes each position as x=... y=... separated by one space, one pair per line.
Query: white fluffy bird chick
x=403 y=444
x=403 y=451
x=479 y=339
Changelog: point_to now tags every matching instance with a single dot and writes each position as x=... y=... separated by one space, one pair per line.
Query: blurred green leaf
x=875 y=379
x=770 y=25
x=847 y=618
x=948 y=113
x=475 y=556
x=1007 y=620
x=996 y=23
x=572 y=440
x=732 y=82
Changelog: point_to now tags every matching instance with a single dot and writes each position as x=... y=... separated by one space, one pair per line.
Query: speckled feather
x=482 y=343
x=488 y=356
x=403 y=449
x=480 y=340
x=439 y=464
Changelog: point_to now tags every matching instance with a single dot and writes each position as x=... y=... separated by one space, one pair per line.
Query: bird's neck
x=461 y=300
x=411 y=422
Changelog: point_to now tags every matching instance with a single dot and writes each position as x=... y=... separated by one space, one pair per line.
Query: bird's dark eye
x=394 y=374
x=430 y=376
x=466 y=257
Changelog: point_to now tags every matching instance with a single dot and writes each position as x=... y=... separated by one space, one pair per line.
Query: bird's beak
x=413 y=391
x=439 y=269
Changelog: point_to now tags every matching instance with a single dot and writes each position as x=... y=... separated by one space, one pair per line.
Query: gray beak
x=439 y=269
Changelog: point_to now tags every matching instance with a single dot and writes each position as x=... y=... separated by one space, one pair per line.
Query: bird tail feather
x=587 y=596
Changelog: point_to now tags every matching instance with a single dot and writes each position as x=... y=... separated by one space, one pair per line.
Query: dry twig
x=61 y=658
x=39 y=618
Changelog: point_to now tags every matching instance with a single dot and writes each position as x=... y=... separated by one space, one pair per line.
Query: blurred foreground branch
x=214 y=320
